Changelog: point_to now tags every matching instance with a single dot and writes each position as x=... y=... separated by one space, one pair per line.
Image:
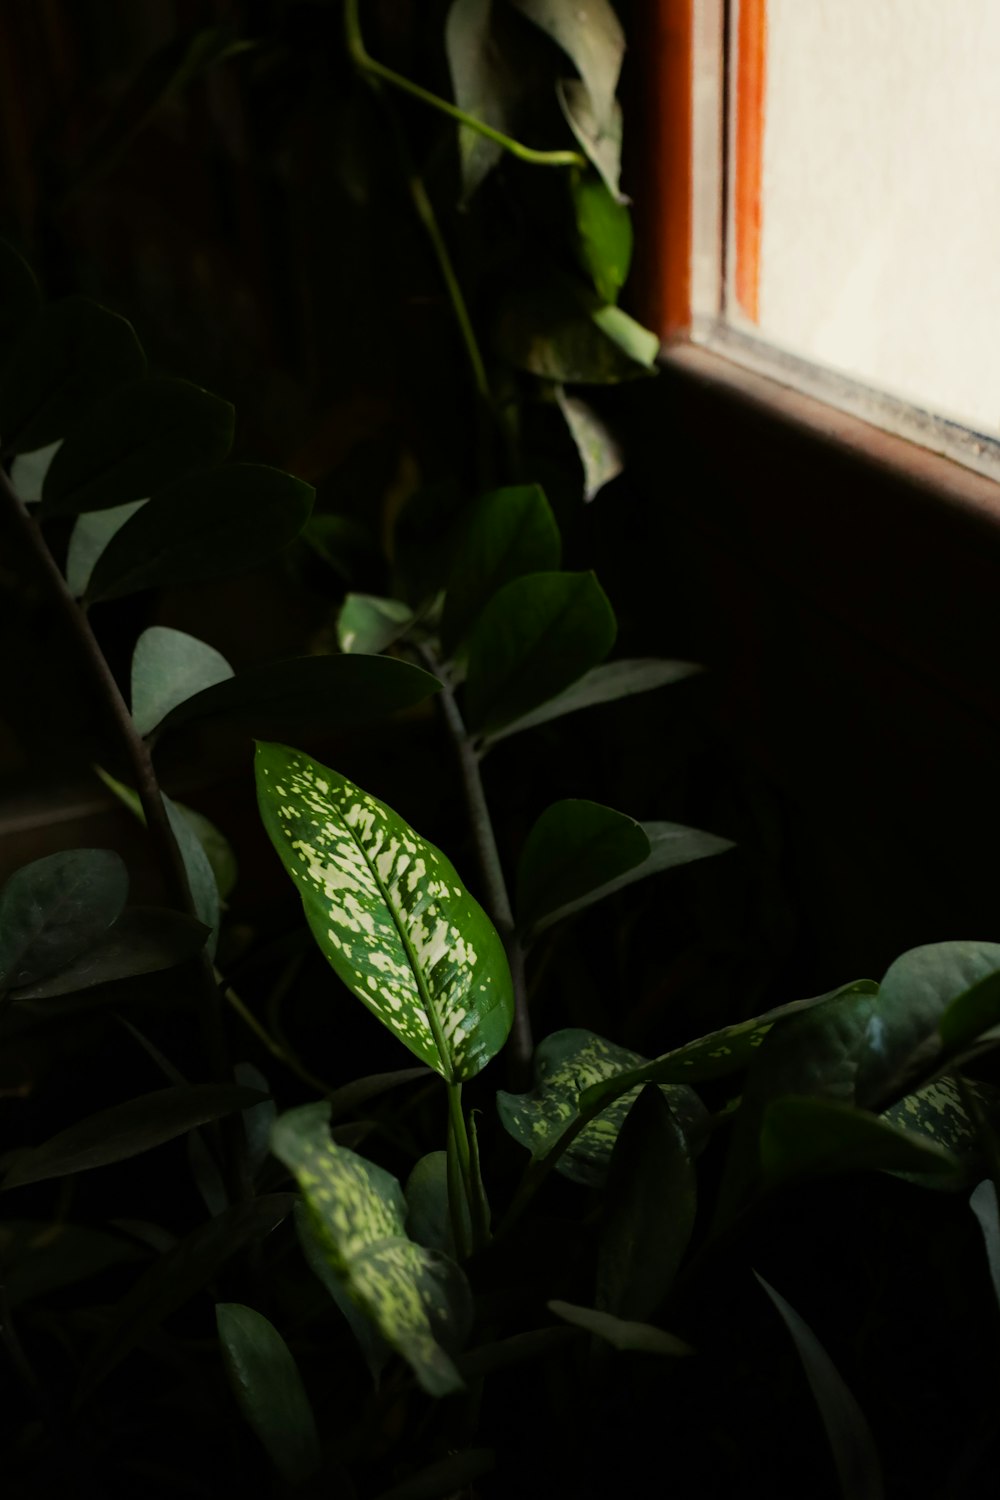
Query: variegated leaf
x=938 y=1111
x=389 y=913
x=566 y=1064
x=414 y=1297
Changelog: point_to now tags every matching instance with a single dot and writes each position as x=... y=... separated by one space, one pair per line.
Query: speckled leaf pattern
x=358 y=1212
x=389 y=913
x=938 y=1112
x=566 y=1064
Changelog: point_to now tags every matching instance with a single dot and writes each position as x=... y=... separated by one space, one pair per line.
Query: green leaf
x=37 y=1258
x=984 y=1205
x=484 y=85
x=55 y=909
x=599 y=139
x=198 y=868
x=141 y=941
x=574 y=849
x=535 y=637
x=343 y=544
x=424 y=537
x=670 y=845
x=90 y=535
x=66 y=359
x=428 y=1218
x=638 y=343
x=604 y=234
x=310 y=692
x=373 y=1346
x=567 y=1064
x=175 y=1277
x=847 y=1431
x=127 y=1130
x=268 y=1388
x=167 y=668
x=414 y=1296
x=599 y=450
x=447 y=1479
x=640 y=1338
x=351 y=1096
x=605 y=684
x=135 y=442
x=906 y=1033
x=804 y=1138
x=389 y=914
x=28 y=471
x=591 y=35
x=649 y=1210
x=508 y=533
x=209 y=525
x=938 y=1112
x=555 y=327
x=367 y=624
x=218 y=850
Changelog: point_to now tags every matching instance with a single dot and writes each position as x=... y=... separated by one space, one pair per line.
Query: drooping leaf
x=555 y=327
x=508 y=533
x=209 y=525
x=198 y=868
x=376 y=1351
x=847 y=1431
x=414 y=1296
x=90 y=535
x=670 y=845
x=367 y=624
x=600 y=139
x=804 y=1138
x=389 y=914
x=483 y=82
x=567 y=1063
x=176 y=1276
x=28 y=471
x=916 y=995
x=310 y=692
x=127 y=1130
x=605 y=684
x=140 y=439
x=65 y=360
x=604 y=234
x=639 y=1338
x=445 y=1479
x=535 y=637
x=599 y=450
x=217 y=848
x=649 y=1210
x=55 y=909
x=428 y=1217
x=638 y=343
x=141 y=941
x=591 y=35
x=168 y=667
x=269 y=1392
x=983 y=1203
x=574 y=849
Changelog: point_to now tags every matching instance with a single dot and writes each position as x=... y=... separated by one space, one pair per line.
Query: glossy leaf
x=90 y=535
x=389 y=914
x=604 y=234
x=567 y=1063
x=169 y=667
x=68 y=357
x=55 y=909
x=28 y=471
x=127 y=1130
x=483 y=82
x=428 y=1217
x=376 y=1351
x=983 y=1203
x=649 y=1210
x=412 y=1295
x=198 y=868
x=310 y=692
x=535 y=638
x=217 y=848
x=916 y=995
x=605 y=684
x=269 y=1392
x=508 y=533
x=599 y=138
x=591 y=35
x=137 y=441
x=367 y=624
x=805 y=1138
x=598 y=448
x=670 y=845
x=574 y=849
x=847 y=1431
x=141 y=941
x=210 y=525
x=176 y=1276
x=638 y=1338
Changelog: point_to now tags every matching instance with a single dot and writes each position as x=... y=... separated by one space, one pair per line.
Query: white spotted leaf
x=389 y=913
x=417 y=1299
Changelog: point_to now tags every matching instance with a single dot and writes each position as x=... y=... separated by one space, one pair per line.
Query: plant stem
x=459 y=1171
x=425 y=213
x=368 y=64
x=277 y=1051
x=497 y=897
